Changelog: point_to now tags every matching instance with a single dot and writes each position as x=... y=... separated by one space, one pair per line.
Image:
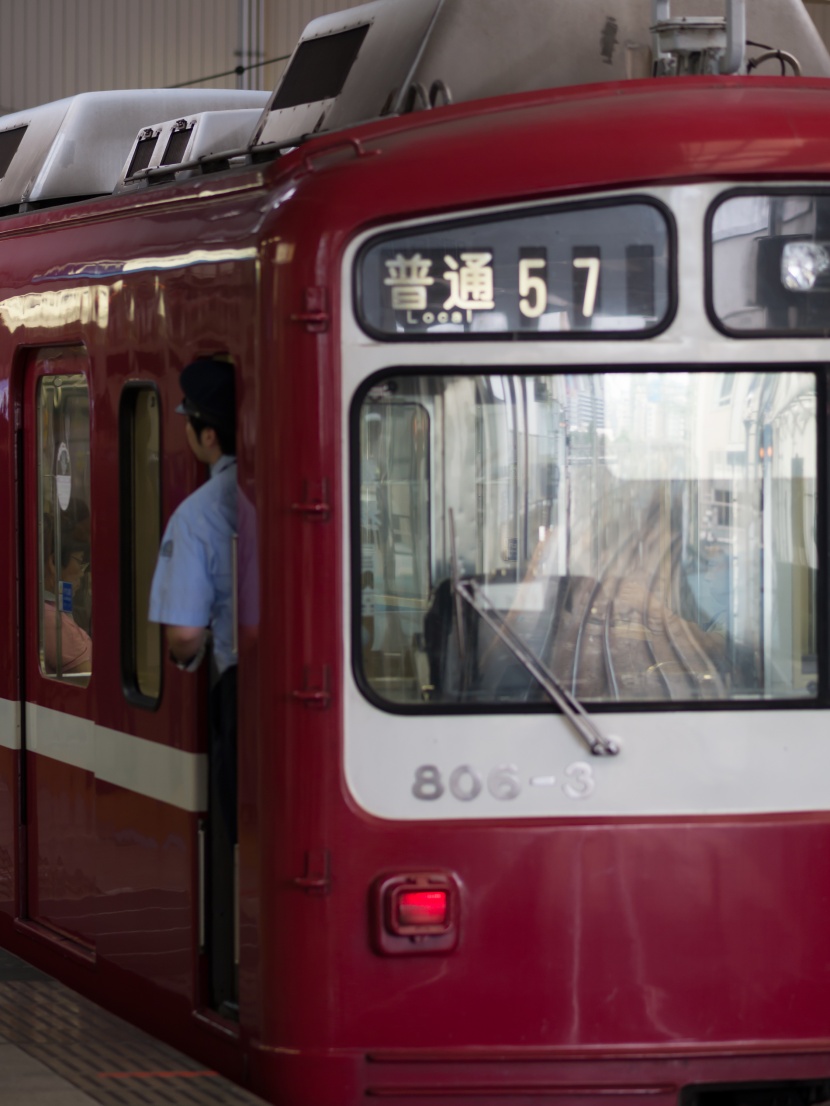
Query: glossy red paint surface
x=108 y=868
x=8 y=824
x=636 y=955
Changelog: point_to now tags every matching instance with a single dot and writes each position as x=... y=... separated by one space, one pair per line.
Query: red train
x=532 y=556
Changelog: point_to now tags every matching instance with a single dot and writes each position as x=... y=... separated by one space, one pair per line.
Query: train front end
x=565 y=823
x=584 y=675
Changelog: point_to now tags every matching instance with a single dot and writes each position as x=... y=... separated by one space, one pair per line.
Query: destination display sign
x=562 y=272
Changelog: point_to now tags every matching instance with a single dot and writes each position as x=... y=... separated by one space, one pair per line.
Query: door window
x=64 y=560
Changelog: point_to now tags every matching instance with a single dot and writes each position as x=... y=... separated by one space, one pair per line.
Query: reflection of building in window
x=723 y=507
x=586 y=410
x=727 y=380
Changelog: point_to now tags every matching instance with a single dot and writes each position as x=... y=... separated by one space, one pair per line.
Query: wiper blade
x=586 y=729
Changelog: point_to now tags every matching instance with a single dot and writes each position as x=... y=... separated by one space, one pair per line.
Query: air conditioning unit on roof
x=76 y=147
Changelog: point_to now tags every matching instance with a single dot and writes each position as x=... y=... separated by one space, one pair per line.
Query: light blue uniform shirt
x=193 y=581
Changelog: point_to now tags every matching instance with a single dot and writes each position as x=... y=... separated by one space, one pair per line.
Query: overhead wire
x=237 y=71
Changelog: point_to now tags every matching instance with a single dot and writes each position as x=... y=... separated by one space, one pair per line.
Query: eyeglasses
x=79 y=561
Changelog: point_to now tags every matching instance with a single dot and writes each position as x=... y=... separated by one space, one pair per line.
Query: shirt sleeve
x=76 y=644
x=182 y=590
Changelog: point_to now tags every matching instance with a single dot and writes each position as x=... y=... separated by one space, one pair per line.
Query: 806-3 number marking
x=465 y=783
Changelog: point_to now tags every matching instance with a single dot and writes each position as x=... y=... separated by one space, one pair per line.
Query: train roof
x=426 y=60
x=76 y=147
x=570 y=141
x=389 y=56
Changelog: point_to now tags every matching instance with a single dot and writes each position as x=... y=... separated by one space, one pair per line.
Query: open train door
x=57 y=741
x=194 y=578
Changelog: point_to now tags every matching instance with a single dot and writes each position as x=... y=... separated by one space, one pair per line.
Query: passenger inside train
x=67 y=646
x=65 y=581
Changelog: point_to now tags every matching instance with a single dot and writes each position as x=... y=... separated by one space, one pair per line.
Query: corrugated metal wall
x=54 y=48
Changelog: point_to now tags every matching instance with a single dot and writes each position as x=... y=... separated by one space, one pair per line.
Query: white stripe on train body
x=147 y=768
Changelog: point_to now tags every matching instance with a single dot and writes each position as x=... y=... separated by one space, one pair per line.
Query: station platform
x=59 y=1049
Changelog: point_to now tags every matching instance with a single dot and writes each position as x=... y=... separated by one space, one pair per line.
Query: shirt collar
x=224 y=462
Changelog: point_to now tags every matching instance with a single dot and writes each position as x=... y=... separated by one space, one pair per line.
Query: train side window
x=769 y=263
x=64 y=566
x=394 y=545
x=140 y=524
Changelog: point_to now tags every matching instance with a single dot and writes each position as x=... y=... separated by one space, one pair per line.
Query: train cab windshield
x=646 y=536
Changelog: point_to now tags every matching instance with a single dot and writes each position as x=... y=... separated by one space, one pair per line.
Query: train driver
x=192 y=589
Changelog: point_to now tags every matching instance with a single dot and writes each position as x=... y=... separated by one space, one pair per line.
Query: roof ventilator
x=189 y=146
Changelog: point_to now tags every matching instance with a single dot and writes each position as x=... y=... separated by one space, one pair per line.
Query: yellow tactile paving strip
x=99 y=1055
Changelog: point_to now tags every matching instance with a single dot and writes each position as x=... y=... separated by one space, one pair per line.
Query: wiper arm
x=586 y=729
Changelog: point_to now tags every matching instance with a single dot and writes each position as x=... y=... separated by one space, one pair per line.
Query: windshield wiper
x=597 y=743
x=586 y=729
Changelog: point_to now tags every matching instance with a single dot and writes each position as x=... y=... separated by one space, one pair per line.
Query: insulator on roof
x=696 y=45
